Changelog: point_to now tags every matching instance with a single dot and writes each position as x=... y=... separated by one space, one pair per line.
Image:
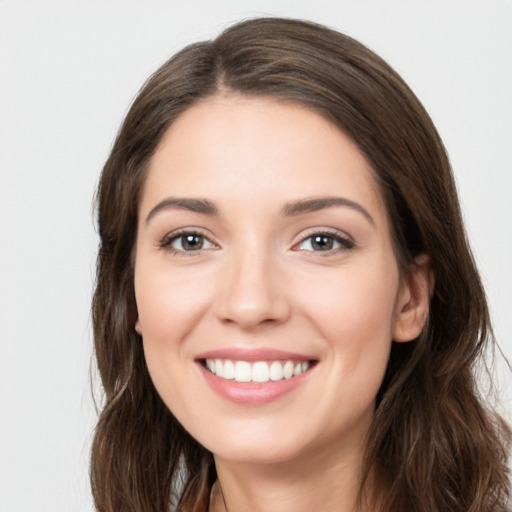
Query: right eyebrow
x=184 y=203
x=315 y=204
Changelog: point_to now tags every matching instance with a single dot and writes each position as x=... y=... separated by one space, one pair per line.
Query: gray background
x=68 y=72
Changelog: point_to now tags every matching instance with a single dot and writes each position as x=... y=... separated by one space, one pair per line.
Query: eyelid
x=166 y=241
x=346 y=241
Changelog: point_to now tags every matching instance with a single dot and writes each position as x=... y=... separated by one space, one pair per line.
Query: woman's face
x=266 y=283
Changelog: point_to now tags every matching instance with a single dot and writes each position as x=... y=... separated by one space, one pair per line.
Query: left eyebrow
x=315 y=204
x=184 y=203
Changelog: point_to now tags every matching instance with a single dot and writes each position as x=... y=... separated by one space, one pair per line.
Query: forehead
x=235 y=148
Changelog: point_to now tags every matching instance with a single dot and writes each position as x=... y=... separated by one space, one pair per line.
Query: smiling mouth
x=257 y=372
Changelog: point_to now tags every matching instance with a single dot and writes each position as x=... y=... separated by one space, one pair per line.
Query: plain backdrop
x=68 y=72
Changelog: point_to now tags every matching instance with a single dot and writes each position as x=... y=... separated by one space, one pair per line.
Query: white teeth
x=288 y=370
x=258 y=371
x=218 y=368
x=242 y=371
x=276 y=370
x=229 y=370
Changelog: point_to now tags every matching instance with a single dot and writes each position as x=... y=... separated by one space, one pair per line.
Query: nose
x=253 y=291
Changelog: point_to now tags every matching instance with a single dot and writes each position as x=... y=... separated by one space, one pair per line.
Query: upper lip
x=256 y=354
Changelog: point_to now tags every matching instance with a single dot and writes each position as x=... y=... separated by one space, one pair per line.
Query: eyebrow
x=182 y=203
x=290 y=209
x=320 y=203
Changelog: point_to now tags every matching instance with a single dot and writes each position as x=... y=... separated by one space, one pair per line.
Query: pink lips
x=251 y=393
x=260 y=354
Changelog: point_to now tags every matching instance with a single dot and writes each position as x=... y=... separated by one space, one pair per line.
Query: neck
x=314 y=481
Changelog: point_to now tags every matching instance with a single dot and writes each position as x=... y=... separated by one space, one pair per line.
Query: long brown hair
x=434 y=444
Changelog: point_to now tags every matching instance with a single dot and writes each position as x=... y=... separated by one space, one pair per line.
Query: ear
x=138 y=328
x=413 y=302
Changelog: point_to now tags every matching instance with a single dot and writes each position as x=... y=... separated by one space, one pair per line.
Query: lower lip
x=249 y=393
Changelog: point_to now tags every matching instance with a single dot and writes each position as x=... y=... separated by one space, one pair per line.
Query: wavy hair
x=434 y=444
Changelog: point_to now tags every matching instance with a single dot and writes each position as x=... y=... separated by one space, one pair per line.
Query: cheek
x=356 y=317
x=168 y=305
x=172 y=305
x=357 y=304
x=168 y=311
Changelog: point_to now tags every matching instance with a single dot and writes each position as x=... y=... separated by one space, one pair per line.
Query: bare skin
x=332 y=483
x=263 y=238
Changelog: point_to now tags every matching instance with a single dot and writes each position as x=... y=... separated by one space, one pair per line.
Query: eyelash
x=345 y=242
x=168 y=240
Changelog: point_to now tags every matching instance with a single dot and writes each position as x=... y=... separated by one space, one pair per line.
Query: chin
x=266 y=453
x=251 y=444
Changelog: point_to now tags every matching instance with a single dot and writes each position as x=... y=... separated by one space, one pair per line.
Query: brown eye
x=325 y=242
x=188 y=242
x=322 y=243
x=191 y=242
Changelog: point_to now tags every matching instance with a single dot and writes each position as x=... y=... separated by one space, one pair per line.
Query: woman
x=287 y=314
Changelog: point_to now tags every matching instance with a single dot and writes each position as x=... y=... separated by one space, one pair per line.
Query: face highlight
x=266 y=283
